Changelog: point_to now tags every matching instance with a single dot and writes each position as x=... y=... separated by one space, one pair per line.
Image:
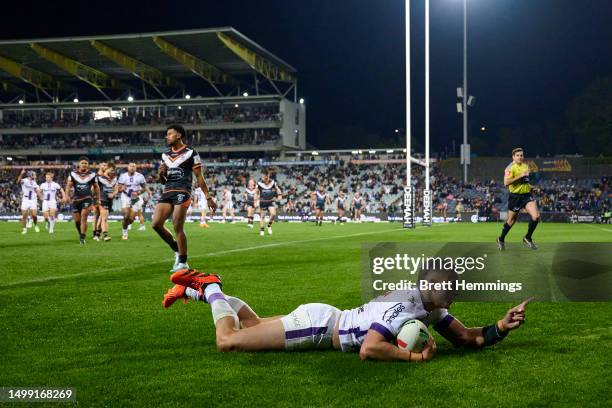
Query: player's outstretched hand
x=515 y=316
x=211 y=204
x=429 y=350
x=161 y=172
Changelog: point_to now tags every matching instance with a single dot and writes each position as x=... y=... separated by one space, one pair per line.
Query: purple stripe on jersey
x=444 y=323
x=353 y=330
x=311 y=331
x=215 y=296
x=382 y=330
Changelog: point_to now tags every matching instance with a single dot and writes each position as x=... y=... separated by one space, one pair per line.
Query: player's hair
x=178 y=129
x=83 y=158
x=516 y=150
x=49 y=172
x=110 y=166
x=265 y=172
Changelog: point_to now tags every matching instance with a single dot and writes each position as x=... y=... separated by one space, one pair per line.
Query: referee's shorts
x=516 y=202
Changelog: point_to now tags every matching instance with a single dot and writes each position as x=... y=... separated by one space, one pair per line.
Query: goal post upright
x=409 y=199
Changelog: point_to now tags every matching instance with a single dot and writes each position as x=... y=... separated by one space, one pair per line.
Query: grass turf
x=91 y=318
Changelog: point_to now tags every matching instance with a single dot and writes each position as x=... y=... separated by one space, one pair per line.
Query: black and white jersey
x=83 y=184
x=250 y=196
x=267 y=192
x=107 y=186
x=180 y=165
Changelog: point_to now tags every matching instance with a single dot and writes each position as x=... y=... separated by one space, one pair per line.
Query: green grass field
x=91 y=318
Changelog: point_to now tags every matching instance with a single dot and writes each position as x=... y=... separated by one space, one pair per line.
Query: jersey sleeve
x=197 y=161
x=389 y=321
x=440 y=319
x=508 y=171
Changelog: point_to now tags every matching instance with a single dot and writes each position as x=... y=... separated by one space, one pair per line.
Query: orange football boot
x=194 y=279
x=173 y=294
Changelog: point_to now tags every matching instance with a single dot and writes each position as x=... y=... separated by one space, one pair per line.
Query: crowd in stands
x=133 y=116
x=231 y=137
x=381 y=185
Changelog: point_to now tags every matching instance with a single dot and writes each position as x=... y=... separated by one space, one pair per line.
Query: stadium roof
x=219 y=56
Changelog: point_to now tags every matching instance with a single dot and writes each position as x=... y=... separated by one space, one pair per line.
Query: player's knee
x=225 y=343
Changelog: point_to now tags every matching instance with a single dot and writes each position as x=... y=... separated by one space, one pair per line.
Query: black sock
x=174 y=246
x=78 y=226
x=269 y=225
x=82 y=236
x=532 y=226
x=262 y=228
x=505 y=231
x=183 y=258
x=105 y=233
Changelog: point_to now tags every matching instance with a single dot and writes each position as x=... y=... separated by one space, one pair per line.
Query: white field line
x=599 y=228
x=217 y=253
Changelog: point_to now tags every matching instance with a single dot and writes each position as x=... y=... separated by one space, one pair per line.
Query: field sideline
x=91 y=318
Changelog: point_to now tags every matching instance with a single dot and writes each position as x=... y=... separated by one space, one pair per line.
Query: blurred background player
x=200 y=204
x=227 y=203
x=340 y=206
x=132 y=185
x=29 y=198
x=267 y=192
x=249 y=198
x=175 y=172
x=109 y=188
x=358 y=203
x=516 y=178
x=48 y=195
x=85 y=194
x=96 y=231
x=321 y=200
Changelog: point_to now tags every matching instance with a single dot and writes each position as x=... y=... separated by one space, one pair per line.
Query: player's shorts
x=358 y=206
x=320 y=207
x=340 y=207
x=29 y=204
x=516 y=202
x=250 y=204
x=266 y=205
x=202 y=205
x=229 y=205
x=49 y=205
x=310 y=326
x=131 y=202
x=78 y=206
x=107 y=205
x=176 y=198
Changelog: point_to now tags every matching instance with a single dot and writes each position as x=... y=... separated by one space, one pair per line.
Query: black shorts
x=321 y=207
x=357 y=207
x=516 y=202
x=176 y=198
x=266 y=205
x=78 y=206
x=107 y=205
x=250 y=204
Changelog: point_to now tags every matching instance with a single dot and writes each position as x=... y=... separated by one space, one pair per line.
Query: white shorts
x=310 y=326
x=202 y=205
x=49 y=205
x=229 y=205
x=29 y=204
x=126 y=202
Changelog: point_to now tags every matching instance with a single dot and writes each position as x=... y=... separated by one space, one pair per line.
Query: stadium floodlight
x=354 y=151
x=459 y=107
x=315 y=153
x=483 y=128
x=301 y=101
x=371 y=151
x=396 y=130
x=459 y=92
x=360 y=151
x=187 y=96
x=130 y=98
x=245 y=94
x=21 y=102
x=180 y=107
x=235 y=105
x=9 y=158
x=389 y=150
x=75 y=100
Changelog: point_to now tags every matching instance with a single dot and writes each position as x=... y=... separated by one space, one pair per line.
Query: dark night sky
x=527 y=58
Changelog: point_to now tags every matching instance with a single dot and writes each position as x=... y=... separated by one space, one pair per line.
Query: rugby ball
x=413 y=336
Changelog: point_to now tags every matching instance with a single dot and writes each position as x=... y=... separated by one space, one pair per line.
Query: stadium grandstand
x=107 y=96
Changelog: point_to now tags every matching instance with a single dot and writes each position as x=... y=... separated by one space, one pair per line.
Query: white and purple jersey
x=386 y=314
x=199 y=194
x=132 y=183
x=50 y=190
x=28 y=189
